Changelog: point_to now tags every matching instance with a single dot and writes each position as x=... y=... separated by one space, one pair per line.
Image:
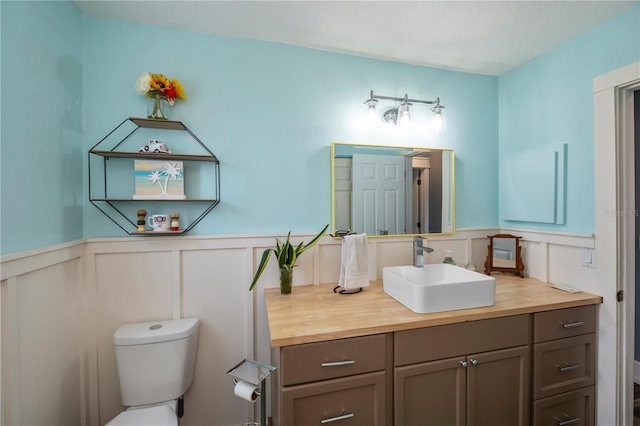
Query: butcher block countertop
x=315 y=313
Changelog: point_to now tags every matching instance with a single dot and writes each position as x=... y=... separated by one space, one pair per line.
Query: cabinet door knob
x=334 y=419
x=474 y=362
x=573 y=324
x=338 y=363
x=464 y=364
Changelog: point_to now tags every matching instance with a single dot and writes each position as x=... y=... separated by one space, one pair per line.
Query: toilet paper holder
x=249 y=378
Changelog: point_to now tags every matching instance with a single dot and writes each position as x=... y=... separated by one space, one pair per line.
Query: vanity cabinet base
x=534 y=369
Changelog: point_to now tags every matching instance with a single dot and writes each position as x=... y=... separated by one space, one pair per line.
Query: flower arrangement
x=159 y=88
x=157 y=85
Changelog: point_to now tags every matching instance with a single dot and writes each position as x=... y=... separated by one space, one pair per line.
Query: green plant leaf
x=315 y=240
x=261 y=267
x=290 y=256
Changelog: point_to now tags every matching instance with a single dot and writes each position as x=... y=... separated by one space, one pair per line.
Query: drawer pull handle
x=335 y=419
x=573 y=324
x=474 y=362
x=569 y=420
x=338 y=363
x=568 y=368
x=464 y=364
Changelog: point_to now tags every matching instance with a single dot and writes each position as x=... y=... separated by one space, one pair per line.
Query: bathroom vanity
x=365 y=359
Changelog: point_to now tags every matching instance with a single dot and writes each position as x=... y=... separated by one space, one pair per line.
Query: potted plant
x=287 y=256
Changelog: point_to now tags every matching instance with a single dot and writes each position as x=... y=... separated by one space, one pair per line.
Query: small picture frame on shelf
x=159 y=180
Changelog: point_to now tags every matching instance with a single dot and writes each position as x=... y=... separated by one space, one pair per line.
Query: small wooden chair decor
x=504 y=255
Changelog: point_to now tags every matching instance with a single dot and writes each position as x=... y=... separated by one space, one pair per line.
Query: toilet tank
x=156 y=360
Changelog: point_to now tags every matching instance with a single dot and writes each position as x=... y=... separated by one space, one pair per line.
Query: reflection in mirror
x=385 y=190
x=504 y=255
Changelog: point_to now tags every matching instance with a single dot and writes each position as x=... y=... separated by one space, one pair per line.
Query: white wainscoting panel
x=534 y=257
x=41 y=317
x=214 y=289
x=60 y=307
x=479 y=252
x=392 y=252
x=329 y=257
x=580 y=277
x=130 y=287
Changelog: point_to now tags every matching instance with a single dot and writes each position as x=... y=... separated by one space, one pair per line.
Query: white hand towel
x=354 y=264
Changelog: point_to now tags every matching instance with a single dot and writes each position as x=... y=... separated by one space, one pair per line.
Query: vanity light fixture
x=401 y=115
x=438 y=123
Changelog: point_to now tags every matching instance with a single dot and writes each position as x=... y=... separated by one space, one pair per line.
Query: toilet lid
x=161 y=415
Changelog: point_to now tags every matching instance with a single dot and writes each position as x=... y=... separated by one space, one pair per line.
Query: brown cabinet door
x=498 y=388
x=574 y=408
x=430 y=394
x=350 y=401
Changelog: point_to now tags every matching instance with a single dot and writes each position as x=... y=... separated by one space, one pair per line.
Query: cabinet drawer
x=446 y=341
x=574 y=408
x=327 y=360
x=350 y=401
x=563 y=323
x=564 y=365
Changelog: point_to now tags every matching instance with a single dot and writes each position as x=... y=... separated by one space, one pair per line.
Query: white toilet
x=155 y=361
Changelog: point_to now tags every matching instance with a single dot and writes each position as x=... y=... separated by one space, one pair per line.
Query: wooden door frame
x=615 y=240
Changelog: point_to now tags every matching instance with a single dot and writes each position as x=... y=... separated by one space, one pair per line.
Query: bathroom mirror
x=392 y=190
x=504 y=255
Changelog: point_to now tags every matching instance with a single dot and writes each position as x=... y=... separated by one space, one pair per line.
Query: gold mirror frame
x=504 y=255
x=447 y=209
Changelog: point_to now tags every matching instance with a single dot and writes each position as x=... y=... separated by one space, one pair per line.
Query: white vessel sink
x=438 y=287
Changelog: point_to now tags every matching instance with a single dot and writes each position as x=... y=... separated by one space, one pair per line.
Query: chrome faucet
x=418 y=251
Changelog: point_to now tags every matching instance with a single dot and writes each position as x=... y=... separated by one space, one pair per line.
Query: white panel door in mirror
x=378 y=194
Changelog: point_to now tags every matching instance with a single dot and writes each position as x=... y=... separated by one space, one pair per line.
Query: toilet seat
x=161 y=415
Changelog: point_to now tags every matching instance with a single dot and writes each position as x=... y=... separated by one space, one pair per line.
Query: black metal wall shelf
x=114 y=207
x=153 y=156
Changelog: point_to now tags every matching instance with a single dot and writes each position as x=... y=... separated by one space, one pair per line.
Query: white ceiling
x=485 y=37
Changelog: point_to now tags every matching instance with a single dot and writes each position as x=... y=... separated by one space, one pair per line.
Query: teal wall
x=41 y=195
x=270 y=112
x=548 y=102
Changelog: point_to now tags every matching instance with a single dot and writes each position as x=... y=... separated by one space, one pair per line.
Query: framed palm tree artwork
x=158 y=180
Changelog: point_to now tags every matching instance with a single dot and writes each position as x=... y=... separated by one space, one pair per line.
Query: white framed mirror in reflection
x=392 y=190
